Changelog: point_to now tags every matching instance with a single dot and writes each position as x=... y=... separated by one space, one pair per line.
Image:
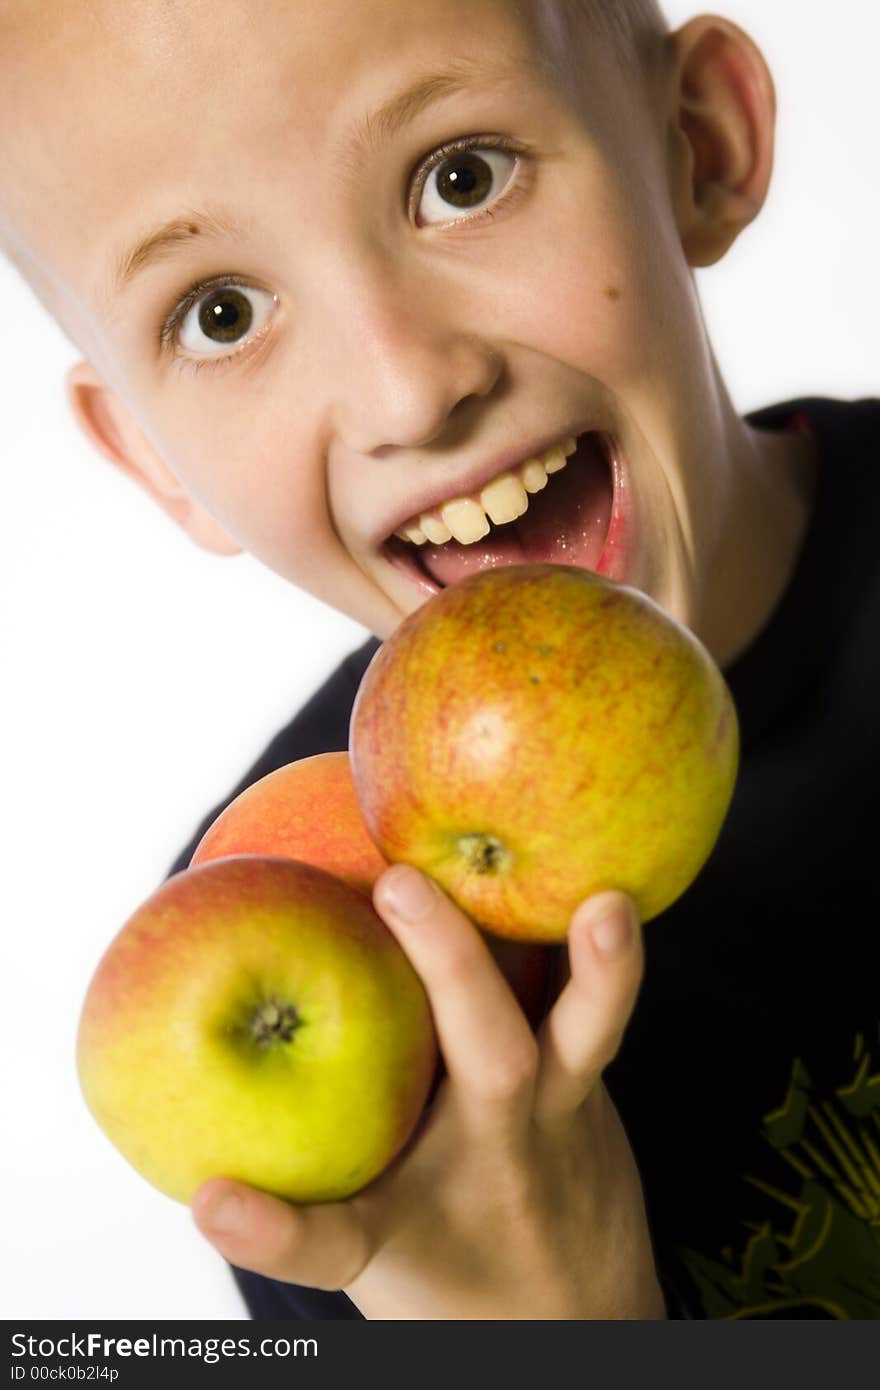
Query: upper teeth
x=466 y=519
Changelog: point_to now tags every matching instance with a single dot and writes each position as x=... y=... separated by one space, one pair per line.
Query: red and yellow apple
x=306 y=810
x=535 y=734
x=255 y=1019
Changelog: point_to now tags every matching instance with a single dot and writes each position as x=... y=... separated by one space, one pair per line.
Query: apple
x=306 y=810
x=534 y=734
x=255 y=1019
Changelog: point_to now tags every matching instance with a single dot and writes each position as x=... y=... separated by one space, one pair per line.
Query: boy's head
x=333 y=265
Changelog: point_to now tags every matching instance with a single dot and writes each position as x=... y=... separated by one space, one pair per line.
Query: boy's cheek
x=255 y=483
x=270 y=491
x=595 y=293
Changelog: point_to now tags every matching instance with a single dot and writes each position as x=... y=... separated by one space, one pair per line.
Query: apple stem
x=274 y=1022
x=484 y=854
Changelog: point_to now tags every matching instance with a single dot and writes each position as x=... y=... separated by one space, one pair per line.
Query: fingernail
x=408 y=892
x=225 y=1215
x=613 y=934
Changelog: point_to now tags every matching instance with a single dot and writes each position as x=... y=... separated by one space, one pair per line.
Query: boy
x=346 y=280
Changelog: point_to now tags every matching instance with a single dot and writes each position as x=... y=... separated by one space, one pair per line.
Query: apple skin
x=167 y=1055
x=535 y=734
x=306 y=810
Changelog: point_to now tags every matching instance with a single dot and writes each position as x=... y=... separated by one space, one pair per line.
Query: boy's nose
x=404 y=367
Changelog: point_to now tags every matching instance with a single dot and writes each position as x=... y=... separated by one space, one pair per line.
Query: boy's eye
x=222 y=318
x=463 y=182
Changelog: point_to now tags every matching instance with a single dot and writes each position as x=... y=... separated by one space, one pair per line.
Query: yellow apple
x=534 y=734
x=255 y=1019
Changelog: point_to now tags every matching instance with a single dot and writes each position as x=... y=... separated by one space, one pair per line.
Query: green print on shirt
x=821 y=1257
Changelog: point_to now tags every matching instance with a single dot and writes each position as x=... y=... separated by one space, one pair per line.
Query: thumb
x=325 y=1246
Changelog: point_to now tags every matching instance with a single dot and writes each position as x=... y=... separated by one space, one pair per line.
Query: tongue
x=565 y=524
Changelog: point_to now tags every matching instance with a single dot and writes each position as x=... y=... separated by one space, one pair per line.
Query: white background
x=140 y=677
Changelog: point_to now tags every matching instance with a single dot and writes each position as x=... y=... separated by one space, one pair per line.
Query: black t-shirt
x=749 y=1077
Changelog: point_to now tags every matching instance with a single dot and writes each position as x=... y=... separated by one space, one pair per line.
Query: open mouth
x=566 y=520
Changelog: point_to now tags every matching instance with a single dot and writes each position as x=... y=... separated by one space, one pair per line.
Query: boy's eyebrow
x=389 y=118
x=374 y=128
x=166 y=238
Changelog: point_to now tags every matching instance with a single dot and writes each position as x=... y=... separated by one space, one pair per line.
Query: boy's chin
x=577 y=519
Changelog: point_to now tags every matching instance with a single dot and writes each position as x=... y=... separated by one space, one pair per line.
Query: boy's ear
x=109 y=425
x=721 y=134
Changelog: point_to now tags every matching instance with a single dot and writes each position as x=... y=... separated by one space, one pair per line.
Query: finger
x=583 y=1030
x=490 y=1052
x=324 y=1247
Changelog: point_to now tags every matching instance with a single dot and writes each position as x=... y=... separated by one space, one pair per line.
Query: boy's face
x=384 y=327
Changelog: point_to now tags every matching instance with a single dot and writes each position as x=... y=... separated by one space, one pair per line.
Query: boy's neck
x=772 y=506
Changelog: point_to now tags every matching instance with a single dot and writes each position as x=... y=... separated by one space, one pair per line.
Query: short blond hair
x=634 y=27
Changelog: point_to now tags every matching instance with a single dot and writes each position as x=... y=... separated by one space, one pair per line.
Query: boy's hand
x=518 y=1197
